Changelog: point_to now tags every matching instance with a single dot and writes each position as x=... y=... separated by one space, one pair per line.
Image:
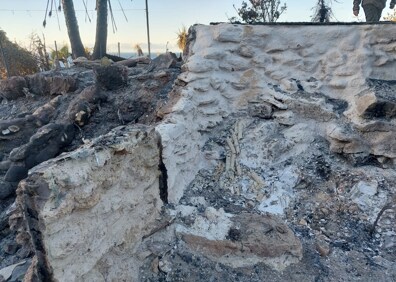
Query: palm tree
x=62 y=53
x=101 y=30
x=139 y=50
x=323 y=12
x=182 y=38
x=72 y=29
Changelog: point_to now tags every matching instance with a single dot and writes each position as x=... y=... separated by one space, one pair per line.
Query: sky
x=20 y=18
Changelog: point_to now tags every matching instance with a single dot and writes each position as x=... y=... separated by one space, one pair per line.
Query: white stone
x=228 y=33
x=6 y=272
x=101 y=203
x=214 y=226
x=368 y=198
x=200 y=65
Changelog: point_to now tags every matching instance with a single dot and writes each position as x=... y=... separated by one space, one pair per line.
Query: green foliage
x=260 y=11
x=19 y=60
x=62 y=53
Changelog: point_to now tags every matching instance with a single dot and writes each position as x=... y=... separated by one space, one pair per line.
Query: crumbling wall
x=278 y=151
x=84 y=213
x=297 y=121
x=262 y=70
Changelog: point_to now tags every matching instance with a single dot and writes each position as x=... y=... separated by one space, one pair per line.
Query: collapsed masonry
x=278 y=146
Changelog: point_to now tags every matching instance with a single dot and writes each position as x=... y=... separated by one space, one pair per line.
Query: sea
x=129 y=55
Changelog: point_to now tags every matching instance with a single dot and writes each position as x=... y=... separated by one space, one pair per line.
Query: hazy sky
x=19 y=18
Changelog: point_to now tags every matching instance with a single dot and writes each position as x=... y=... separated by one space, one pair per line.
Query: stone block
x=228 y=33
x=378 y=102
x=250 y=239
x=93 y=205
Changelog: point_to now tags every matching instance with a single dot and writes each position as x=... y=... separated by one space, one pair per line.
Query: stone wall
x=276 y=153
x=241 y=70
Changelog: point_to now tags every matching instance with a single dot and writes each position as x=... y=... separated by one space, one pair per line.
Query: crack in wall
x=41 y=270
x=163 y=177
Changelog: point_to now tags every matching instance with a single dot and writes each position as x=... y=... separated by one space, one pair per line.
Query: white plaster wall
x=229 y=66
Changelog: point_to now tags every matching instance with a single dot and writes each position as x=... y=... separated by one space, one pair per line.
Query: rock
x=19 y=153
x=164 y=266
x=384 y=262
x=225 y=33
x=285 y=117
x=322 y=247
x=119 y=195
x=18 y=274
x=164 y=61
x=7 y=272
x=303 y=222
x=382 y=143
x=6 y=188
x=365 y=195
x=199 y=65
x=252 y=239
x=260 y=110
x=245 y=51
x=111 y=77
x=79 y=60
x=13 y=87
x=155 y=265
x=15 y=173
x=377 y=103
x=344 y=140
x=233 y=63
x=5 y=165
x=3 y=221
x=11 y=248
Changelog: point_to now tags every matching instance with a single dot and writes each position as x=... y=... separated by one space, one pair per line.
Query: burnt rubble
x=45 y=114
x=269 y=155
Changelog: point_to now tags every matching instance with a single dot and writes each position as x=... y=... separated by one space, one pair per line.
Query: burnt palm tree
x=323 y=12
x=101 y=30
x=72 y=29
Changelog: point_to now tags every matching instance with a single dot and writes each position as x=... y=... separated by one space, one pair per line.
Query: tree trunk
x=101 y=30
x=77 y=47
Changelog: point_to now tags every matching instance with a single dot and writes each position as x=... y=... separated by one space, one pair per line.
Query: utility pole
x=148 y=30
x=56 y=59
